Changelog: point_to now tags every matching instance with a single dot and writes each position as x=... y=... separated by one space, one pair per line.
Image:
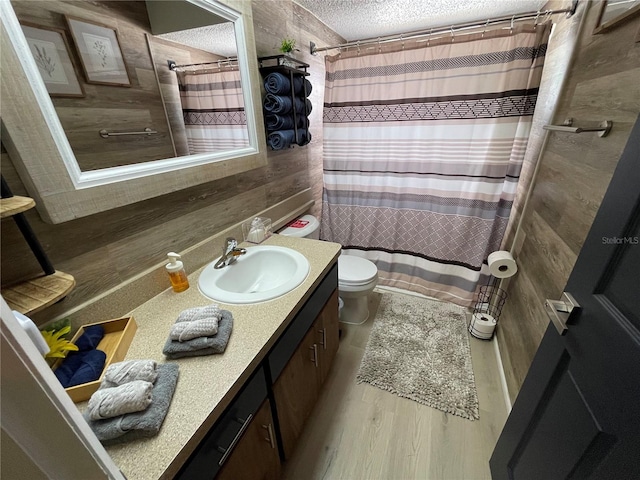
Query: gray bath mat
x=419 y=349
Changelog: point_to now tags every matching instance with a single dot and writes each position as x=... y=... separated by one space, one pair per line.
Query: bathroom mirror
x=614 y=12
x=67 y=184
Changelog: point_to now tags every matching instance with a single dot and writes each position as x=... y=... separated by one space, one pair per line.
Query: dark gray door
x=578 y=413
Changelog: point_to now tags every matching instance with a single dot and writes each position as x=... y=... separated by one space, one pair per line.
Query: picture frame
x=615 y=12
x=50 y=50
x=100 y=54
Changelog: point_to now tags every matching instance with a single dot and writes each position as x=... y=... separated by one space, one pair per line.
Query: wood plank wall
x=603 y=84
x=103 y=250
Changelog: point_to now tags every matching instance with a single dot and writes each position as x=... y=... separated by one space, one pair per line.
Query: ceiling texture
x=360 y=19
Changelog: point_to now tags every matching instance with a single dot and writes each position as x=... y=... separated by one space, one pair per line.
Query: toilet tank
x=306 y=226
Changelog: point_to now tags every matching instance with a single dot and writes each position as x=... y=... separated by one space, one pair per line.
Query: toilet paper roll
x=502 y=264
x=482 y=325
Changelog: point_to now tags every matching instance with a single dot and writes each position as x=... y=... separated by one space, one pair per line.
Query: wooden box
x=118 y=334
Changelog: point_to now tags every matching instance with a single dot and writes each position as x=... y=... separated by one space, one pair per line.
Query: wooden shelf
x=39 y=292
x=16 y=204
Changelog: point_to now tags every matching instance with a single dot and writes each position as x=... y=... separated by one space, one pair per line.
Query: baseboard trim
x=503 y=377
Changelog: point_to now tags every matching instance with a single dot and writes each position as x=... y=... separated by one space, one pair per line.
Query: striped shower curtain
x=423 y=146
x=213 y=110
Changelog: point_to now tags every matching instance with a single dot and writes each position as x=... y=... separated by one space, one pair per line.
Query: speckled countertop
x=207 y=384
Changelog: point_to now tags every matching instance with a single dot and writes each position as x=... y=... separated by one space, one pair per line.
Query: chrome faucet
x=230 y=252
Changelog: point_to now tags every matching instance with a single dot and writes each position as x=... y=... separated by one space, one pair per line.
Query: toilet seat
x=355 y=271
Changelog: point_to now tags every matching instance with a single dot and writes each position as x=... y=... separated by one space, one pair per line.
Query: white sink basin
x=261 y=274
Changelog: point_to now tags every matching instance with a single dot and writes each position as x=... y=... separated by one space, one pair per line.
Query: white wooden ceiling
x=358 y=19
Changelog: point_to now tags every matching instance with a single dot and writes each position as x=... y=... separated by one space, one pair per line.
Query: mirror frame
x=603 y=27
x=45 y=161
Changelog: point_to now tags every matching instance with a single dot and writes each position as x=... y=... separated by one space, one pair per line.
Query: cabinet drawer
x=293 y=335
x=206 y=460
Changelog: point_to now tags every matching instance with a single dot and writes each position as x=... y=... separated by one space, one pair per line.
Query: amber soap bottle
x=177 y=275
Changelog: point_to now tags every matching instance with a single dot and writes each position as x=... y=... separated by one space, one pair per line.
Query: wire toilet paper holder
x=487 y=311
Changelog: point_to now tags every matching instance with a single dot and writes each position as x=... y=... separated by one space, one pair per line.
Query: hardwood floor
x=358 y=431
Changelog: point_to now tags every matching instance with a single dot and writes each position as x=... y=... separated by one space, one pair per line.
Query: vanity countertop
x=207 y=384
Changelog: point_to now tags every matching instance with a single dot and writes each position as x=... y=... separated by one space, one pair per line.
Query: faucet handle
x=230 y=244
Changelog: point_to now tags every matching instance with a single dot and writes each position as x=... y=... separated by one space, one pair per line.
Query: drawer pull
x=314 y=359
x=270 y=438
x=324 y=338
x=228 y=451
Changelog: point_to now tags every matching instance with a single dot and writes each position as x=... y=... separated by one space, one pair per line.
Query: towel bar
x=105 y=133
x=604 y=128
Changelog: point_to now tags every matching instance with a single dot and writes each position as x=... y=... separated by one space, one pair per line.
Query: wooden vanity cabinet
x=299 y=385
x=220 y=445
x=255 y=456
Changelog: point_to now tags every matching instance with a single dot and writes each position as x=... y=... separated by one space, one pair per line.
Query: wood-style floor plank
x=360 y=432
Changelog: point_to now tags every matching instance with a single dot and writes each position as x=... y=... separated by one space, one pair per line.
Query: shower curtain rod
x=448 y=29
x=173 y=66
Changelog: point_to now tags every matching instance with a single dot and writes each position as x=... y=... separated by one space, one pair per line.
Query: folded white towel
x=124 y=372
x=183 y=331
x=112 y=402
x=199 y=313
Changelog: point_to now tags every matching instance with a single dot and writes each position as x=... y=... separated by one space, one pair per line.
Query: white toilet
x=357 y=277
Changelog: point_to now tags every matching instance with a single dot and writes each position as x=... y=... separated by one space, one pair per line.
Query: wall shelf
x=14 y=205
x=36 y=293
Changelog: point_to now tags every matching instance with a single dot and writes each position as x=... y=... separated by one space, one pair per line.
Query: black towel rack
x=291 y=67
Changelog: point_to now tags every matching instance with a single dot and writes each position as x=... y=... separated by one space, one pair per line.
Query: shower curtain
x=213 y=110
x=423 y=146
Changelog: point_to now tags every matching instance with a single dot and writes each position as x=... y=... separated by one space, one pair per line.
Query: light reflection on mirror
x=153 y=99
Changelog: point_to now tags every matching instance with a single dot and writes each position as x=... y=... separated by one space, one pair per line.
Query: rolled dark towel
x=90 y=368
x=304 y=136
x=68 y=367
x=90 y=338
x=301 y=104
x=279 y=84
x=309 y=87
x=278 y=122
x=281 y=139
x=277 y=104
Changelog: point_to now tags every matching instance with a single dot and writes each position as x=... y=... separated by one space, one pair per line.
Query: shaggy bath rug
x=419 y=349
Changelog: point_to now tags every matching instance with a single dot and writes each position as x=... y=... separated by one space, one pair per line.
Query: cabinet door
x=255 y=456
x=326 y=327
x=296 y=390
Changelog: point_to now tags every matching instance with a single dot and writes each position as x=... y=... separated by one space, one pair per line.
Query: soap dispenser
x=177 y=275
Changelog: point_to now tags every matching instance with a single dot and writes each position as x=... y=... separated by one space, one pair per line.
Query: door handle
x=323 y=331
x=227 y=451
x=314 y=350
x=560 y=311
x=270 y=438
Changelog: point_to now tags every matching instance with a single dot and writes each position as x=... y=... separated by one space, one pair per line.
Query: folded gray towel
x=183 y=331
x=199 y=313
x=202 y=345
x=124 y=372
x=142 y=424
x=128 y=398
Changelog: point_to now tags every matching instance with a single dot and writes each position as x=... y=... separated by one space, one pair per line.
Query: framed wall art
x=100 y=52
x=51 y=52
x=614 y=12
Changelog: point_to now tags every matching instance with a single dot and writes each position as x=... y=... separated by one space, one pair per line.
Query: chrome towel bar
x=604 y=128
x=105 y=133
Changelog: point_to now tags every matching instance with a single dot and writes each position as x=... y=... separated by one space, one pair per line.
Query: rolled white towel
x=124 y=372
x=183 y=331
x=112 y=402
x=199 y=313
